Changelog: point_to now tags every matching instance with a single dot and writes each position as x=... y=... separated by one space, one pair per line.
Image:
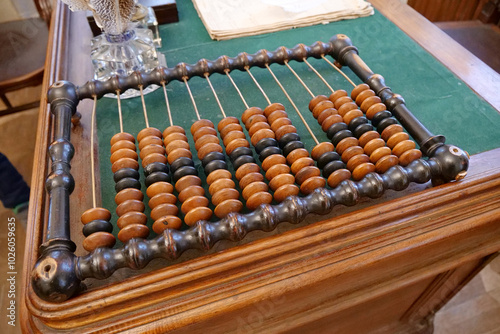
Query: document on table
x=226 y=19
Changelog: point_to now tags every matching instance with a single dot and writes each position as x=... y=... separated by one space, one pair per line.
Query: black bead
x=127 y=182
x=332 y=167
x=239 y=151
x=291 y=146
x=241 y=160
x=385 y=123
x=332 y=130
x=264 y=143
x=155 y=167
x=363 y=128
x=268 y=152
x=211 y=157
x=98 y=225
x=289 y=137
x=183 y=171
x=214 y=165
x=157 y=177
x=125 y=172
x=341 y=135
x=326 y=158
x=380 y=116
x=181 y=162
x=357 y=122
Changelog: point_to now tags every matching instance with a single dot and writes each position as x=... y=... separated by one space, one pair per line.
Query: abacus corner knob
x=53 y=277
x=341 y=45
x=63 y=92
x=453 y=162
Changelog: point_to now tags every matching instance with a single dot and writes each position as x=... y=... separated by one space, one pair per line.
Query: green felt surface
x=442 y=102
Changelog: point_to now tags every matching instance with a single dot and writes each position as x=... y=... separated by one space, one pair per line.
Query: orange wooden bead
x=362 y=170
x=122 y=144
x=284 y=130
x=341 y=100
x=159 y=187
x=367 y=103
x=257 y=199
x=224 y=194
x=173 y=129
x=345 y=143
x=306 y=173
x=98 y=240
x=274 y=159
x=397 y=138
x=374 y=144
x=330 y=120
x=232 y=136
x=239 y=142
x=203 y=132
x=351 y=152
x=409 y=156
x=386 y=162
x=358 y=89
x=122 y=136
x=352 y=114
x=165 y=209
x=178 y=153
x=379 y=153
x=220 y=184
x=133 y=231
x=258 y=126
x=219 y=174
x=275 y=170
x=321 y=149
x=190 y=192
x=200 y=124
x=322 y=106
x=177 y=144
x=161 y=199
x=230 y=127
x=279 y=123
x=280 y=180
x=154 y=157
x=261 y=134
x=250 y=112
x=226 y=121
x=336 y=95
x=174 y=136
x=285 y=191
x=402 y=147
x=131 y=218
x=166 y=222
x=296 y=154
x=187 y=181
x=374 y=109
x=150 y=141
x=300 y=164
x=390 y=131
x=368 y=137
x=357 y=160
x=253 y=188
x=194 y=202
x=338 y=176
x=249 y=178
x=228 y=206
x=148 y=132
x=364 y=95
x=325 y=114
x=128 y=206
x=95 y=213
x=346 y=107
x=124 y=163
x=254 y=120
x=245 y=169
x=275 y=115
x=150 y=149
x=128 y=193
x=206 y=139
x=197 y=214
x=312 y=183
x=208 y=148
x=315 y=100
x=273 y=107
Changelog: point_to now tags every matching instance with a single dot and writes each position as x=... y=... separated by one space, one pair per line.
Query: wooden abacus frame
x=58 y=272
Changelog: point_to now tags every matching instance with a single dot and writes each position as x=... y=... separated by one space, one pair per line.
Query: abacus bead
x=220 y=184
x=358 y=89
x=332 y=167
x=256 y=127
x=297 y=154
x=268 y=151
x=173 y=129
x=162 y=198
x=397 y=138
x=239 y=142
x=218 y=174
x=186 y=181
x=351 y=115
x=357 y=122
x=351 y=152
x=166 y=222
x=183 y=171
x=190 y=192
x=301 y=163
x=250 y=112
x=154 y=157
x=362 y=170
x=279 y=123
x=342 y=100
x=173 y=137
x=164 y=209
x=211 y=147
x=335 y=128
x=215 y=165
x=125 y=172
x=386 y=162
x=257 y=199
x=254 y=120
x=200 y=124
x=275 y=115
x=347 y=107
x=178 y=144
x=98 y=240
x=128 y=206
x=306 y=173
x=321 y=107
x=95 y=214
x=181 y=162
x=194 y=202
x=368 y=137
x=281 y=180
x=273 y=160
x=127 y=182
x=197 y=214
x=159 y=187
x=363 y=95
x=379 y=153
x=402 y=147
x=133 y=231
x=146 y=132
x=226 y=121
x=390 y=131
x=409 y=156
x=224 y=195
x=342 y=134
x=240 y=151
x=367 y=103
x=123 y=144
x=325 y=114
x=312 y=183
x=385 y=123
x=204 y=131
x=362 y=129
x=261 y=134
x=246 y=169
x=285 y=191
x=337 y=94
x=156 y=177
x=335 y=178
x=326 y=158
x=151 y=140
x=155 y=167
x=129 y=193
x=124 y=163
x=357 y=160
x=131 y=218
x=151 y=149
x=249 y=178
x=244 y=159
x=345 y=143
x=273 y=107
x=230 y=128
x=122 y=136
x=381 y=115
x=293 y=136
x=321 y=149
x=233 y=135
x=253 y=188
x=375 y=109
x=277 y=170
x=374 y=144
x=179 y=153
x=284 y=130
x=331 y=120
x=97 y=225
x=315 y=100
x=292 y=146
x=264 y=143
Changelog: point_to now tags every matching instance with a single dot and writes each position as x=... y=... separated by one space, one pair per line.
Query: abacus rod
x=167 y=103
x=258 y=85
x=318 y=74
x=215 y=95
x=338 y=70
x=299 y=78
x=293 y=104
x=92 y=162
x=119 y=109
x=144 y=107
x=237 y=89
x=192 y=98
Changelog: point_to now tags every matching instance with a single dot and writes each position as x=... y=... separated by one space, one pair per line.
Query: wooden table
x=384 y=265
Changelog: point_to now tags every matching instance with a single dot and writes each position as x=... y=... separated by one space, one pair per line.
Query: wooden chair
x=24 y=44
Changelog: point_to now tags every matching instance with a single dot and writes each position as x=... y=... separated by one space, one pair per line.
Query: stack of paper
x=226 y=19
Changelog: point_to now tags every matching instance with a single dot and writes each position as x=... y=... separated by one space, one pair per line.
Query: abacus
x=368 y=153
